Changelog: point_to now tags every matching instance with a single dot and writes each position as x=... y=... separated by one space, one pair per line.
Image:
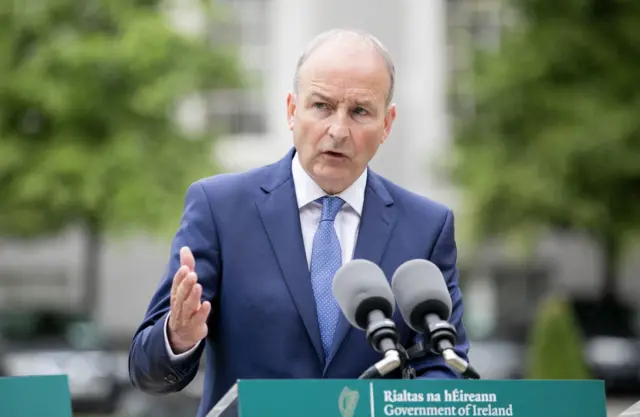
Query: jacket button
x=171 y=379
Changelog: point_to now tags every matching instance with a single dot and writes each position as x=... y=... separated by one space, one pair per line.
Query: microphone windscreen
x=359 y=287
x=419 y=289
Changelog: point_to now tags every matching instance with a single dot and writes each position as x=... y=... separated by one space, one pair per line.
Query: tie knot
x=330 y=207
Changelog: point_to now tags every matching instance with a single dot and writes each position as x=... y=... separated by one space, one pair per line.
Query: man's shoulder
x=234 y=184
x=232 y=181
x=413 y=201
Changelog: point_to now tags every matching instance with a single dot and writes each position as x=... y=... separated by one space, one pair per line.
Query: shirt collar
x=308 y=191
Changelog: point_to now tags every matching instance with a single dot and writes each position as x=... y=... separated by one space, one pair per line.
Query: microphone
x=366 y=300
x=425 y=305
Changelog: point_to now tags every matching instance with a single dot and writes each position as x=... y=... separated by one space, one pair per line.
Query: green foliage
x=88 y=97
x=556 y=350
x=555 y=140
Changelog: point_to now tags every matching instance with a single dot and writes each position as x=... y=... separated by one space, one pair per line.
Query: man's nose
x=339 y=128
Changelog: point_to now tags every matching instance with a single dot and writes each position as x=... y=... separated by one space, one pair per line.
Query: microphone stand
x=392 y=361
x=407 y=371
x=442 y=337
x=383 y=337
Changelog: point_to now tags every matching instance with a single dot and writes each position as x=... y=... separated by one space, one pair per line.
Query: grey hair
x=362 y=35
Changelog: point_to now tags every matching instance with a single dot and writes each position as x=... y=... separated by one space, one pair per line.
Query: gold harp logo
x=348 y=401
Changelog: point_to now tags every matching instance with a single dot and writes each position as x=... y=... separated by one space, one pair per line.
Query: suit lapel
x=376 y=225
x=281 y=219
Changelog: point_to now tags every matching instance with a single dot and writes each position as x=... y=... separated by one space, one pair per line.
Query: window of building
x=234 y=112
x=471 y=24
x=237 y=112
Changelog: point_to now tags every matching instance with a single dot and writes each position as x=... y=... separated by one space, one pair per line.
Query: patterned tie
x=326 y=259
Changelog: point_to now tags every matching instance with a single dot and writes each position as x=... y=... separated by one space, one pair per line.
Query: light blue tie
x=326 y=259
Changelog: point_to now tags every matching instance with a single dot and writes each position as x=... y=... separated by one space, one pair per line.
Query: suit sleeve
x=151 y=368
x=444 y=256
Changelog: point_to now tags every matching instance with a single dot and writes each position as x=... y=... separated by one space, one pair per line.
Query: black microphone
x=425 y=305
x=366 y=300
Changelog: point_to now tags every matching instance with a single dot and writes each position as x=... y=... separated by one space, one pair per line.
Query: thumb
x=187 y=259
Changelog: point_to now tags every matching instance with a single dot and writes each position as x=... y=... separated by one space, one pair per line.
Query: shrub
x=556 y=350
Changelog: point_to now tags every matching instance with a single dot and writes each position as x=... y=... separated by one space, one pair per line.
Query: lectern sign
x=381 y=398
x=35 y=396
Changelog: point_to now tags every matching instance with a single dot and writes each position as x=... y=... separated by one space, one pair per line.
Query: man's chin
x=333 y=180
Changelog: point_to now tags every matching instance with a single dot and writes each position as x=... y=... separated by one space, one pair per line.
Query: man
x=249 y=279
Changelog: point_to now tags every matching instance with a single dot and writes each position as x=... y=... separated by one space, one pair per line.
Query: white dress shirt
x=346 y=223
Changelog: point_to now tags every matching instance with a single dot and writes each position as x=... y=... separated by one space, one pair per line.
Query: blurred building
x=430 y=43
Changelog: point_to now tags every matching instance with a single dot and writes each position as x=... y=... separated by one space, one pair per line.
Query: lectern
x=381 y=398
x=35 y=396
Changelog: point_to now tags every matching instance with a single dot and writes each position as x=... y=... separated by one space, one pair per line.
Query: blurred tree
x=556 y=349
x=88 y=135
x=555 y=138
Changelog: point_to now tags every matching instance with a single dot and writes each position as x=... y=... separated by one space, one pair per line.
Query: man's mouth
x=334 y=154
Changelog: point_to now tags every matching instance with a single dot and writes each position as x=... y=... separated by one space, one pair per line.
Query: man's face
x=340 y=115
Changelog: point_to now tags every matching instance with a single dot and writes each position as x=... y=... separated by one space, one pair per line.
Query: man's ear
x=291 y=109
x=389 y=118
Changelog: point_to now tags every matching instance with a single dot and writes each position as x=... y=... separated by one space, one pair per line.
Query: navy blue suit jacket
x=244 y=232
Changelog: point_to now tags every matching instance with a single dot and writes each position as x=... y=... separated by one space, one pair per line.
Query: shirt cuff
x=176 y=357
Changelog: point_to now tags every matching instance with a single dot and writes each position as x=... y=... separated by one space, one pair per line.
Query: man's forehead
x=354 y=54
x=353 y=70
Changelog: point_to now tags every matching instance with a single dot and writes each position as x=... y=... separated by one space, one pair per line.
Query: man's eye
x=360 y=111
x=320 y=106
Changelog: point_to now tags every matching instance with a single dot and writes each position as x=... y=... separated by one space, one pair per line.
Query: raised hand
x=188 y=319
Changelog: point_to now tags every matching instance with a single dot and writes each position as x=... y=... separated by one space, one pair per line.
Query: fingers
x=187 y=259
x=184 y=290
x=203 y=313
x=187 y=264
x=188 y=319
x=192 y=302
x=177 y=280
x=200 y=319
